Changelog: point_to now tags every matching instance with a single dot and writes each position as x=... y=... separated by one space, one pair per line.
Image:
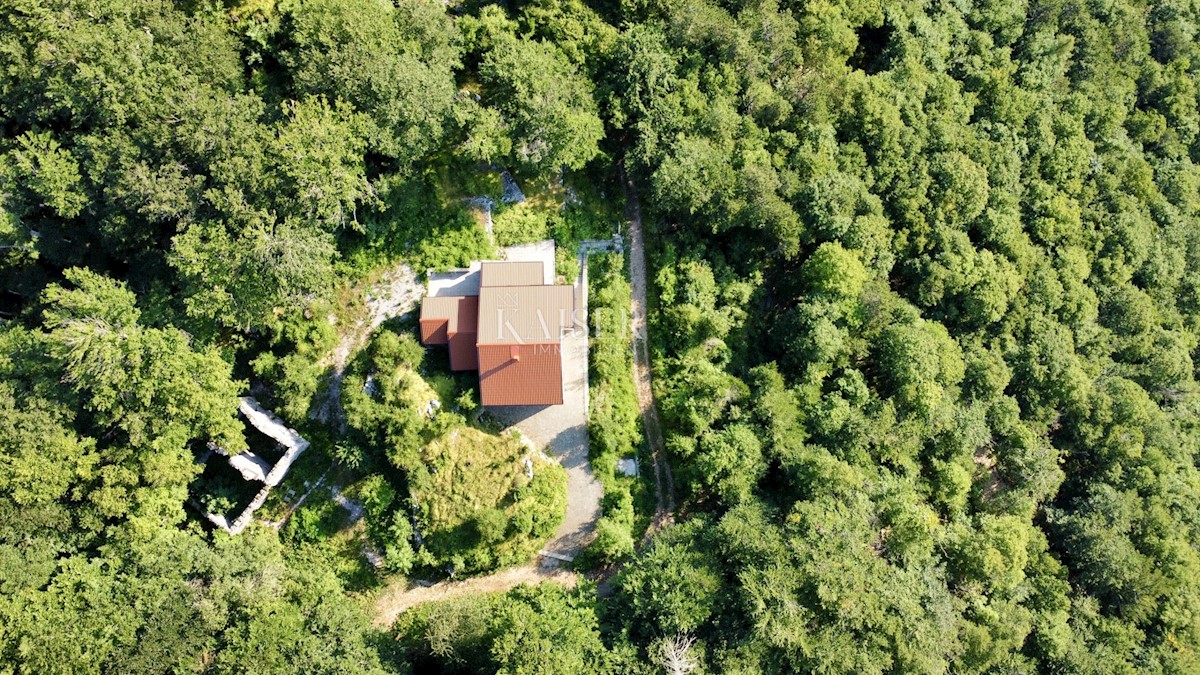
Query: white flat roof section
x=539 y=251
x=454 y=282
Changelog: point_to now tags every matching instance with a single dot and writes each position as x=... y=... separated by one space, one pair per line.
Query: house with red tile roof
x=508 y=324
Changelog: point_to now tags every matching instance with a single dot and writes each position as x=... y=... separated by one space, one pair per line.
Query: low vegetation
x=441 y=496
x=562 y=213
x=613 y=419
x=497 y=633
x=484 y=501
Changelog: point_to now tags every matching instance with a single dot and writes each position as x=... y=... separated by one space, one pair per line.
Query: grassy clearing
x=460 y=180
x=467 y=471
x=565 y=212
x=478 y=508
x=420 y=223
x=320 y=531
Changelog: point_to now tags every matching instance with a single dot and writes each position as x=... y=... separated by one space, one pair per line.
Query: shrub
x=390 y=350
x=566 y=261
x=613 y=541
x=398 y=552
x=613 y=425
x=521 y=224
x=315 y=520
x=613 y=415
x=220 y=500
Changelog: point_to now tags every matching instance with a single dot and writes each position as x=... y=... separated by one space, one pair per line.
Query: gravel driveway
x=562 y=430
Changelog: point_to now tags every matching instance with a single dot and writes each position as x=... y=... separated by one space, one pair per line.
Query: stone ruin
x=254 y=468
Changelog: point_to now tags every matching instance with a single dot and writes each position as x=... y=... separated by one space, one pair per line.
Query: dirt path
x=664 y=482
x=396 y=599
x=394 y=293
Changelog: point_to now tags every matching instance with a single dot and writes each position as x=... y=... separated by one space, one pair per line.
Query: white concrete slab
x=627 y=467
x=250 y=465
x=454 y=282
x=542 y=251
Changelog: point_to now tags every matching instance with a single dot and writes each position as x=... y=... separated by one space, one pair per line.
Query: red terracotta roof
x=465 y=318
x=463 y=353
x=443 y=317
x=533 y=377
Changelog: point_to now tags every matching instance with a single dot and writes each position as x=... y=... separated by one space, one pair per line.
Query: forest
x=924 y=312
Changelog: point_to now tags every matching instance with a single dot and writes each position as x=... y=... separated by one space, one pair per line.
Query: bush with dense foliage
x=448 y=497
x=542 y=629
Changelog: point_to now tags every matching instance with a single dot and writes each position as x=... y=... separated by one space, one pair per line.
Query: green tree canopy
x=544 y=102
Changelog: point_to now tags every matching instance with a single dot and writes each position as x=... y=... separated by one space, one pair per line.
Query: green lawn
x=478 y=507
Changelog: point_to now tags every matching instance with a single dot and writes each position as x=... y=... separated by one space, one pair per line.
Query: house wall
x=433 y=331
x=463 y=355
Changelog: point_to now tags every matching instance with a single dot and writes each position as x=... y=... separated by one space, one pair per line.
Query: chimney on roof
x=514 y=353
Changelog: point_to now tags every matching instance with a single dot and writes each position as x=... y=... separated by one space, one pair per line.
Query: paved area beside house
x=562 y=430
x=542 y=251
x=453 y=282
